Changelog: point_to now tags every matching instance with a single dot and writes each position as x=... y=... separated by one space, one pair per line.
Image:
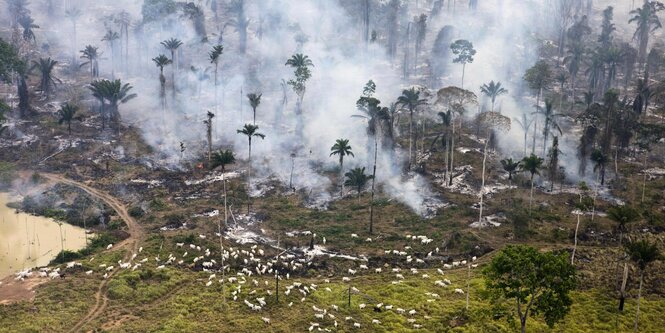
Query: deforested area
x=332 y=166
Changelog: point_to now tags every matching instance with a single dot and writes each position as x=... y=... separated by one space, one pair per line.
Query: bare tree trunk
x=644 y=178
x=482 y=186
x=452 y=155
x=639 y=296
x=371 y=203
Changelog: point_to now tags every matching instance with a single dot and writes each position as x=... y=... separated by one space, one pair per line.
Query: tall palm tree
x=110 y=38
x=299 y=60
x=622 y=216
x=254 y=101
x=525 y=124
x=240 y=22
x=532 y=164
x=600 y=161
x=357 y=178
x=160 y=62
x=301 y=64
x=613 y=58
x=28 y=23
x=493 y=90
x=539 y=78
x=112 y=94
x=550 y=121
x=73 y=14
x=221 y=159
x=250 y=131
x=573 y=60
x=67 y=114
x=213 y=56
x=45 y=68
x=642 y=253
x=92 y=54
x=510 y=167
x=647 y=21
x=172 y=45
x=411 y=100
x=341 y=148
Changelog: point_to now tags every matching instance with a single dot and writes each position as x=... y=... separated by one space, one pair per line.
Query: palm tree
x=110 y=38
x=172 y=45
x=646 y=19
x=642 y=253
x=510 y=167
x=250 y=131
x=213 y=56
x=27 y=23
x=573 y=61
x=356 y=177
x=73 y=14
x=254 y=101
x=221 y=159
x=240 y=22
x=92 y=55
x=622 y=215
x=550 y=121
x=600 y=160
x=45 y=68
x=538 y=77
x=532 y=164
x=299 y=60
x=446 y=121
x=111 y=94
x=493 y=90
x=411 y=100
x=525 y=124
x=613 y=58
x=160 y=62
x=67 y=114
x=341 y=148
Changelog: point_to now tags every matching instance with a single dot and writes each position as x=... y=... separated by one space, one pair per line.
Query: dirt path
x=132 y=243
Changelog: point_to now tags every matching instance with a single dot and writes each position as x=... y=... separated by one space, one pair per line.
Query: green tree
x=254 y=101
x=538 y=77
x=28 y=23
x=110 y=38
x=464 y=51
x=45 y=68
x=511 y=167
x=538 y=283
x=647 y=21
x=92 y=55
x=302 y=74
x=67 y=114
x=160 y=62
x=172 y=45
x=411 y=100
x=642 y=253
x=622 y=216
x=250 y=131
x=357 y=178
x=493 y=90
x=341 y=148
x=600 y=162
x=111 y=94
x=532 y=165
x=221 y=159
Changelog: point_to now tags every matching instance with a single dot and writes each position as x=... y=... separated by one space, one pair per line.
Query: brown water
x=28 y=241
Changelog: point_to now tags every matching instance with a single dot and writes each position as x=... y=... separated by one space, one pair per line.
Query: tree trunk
x=452 y=155
x=410 y=138
x=463 y=68
x=535 y=123
x=577 y=227
x=482 y=186
x=249 y=176
x=531 y=195
x=622 y=290
x=639 y=296
x=644 y=179
x=371 y=203
x=341 y=176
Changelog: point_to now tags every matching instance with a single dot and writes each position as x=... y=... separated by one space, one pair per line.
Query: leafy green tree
x=464 y=51
x=642 y=253
x=172 y=45
x=411 y=100
x=622 y=216
x=532 y=165
x=341 y=148
x=600 y=162
x=254 y=101
x=538 y=283
x=538 y=77
x=160 y=62
x=647 y=21
x=28 y=23
x=92 y=55
x=110 y=37
x=111 y=94
x=45 y=68
x=302 y=74
x=67 y=114
x=250 y=131
x=357 y=178
x=510 y=166
x=221 y=159
x=525 y=123
x=493 y=90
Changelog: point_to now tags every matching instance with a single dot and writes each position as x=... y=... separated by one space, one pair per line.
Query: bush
x=65 y=256
x=136 y=212
x=157 y=204
x=520 y=220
